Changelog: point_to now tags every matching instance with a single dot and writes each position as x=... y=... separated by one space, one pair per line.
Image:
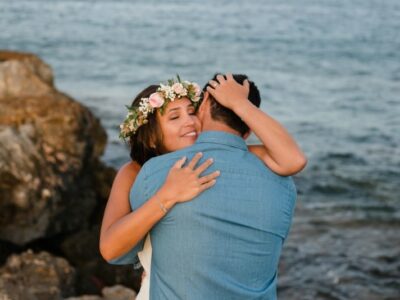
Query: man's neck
x=218 y=126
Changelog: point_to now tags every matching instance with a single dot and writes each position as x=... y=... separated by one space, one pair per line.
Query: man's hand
x=228 y=92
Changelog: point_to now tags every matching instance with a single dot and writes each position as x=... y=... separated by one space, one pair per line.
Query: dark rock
x=23 y=74
x=50 y=149
x=36 y=276
x=53 y=186
x=117 y=292
x=93 y=273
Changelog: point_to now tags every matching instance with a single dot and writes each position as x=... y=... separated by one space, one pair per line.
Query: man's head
x=210 y=109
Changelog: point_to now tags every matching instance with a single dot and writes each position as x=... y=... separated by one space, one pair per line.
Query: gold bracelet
x=162 y=206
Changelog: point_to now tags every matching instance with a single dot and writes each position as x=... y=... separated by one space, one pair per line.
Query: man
x=226 y=244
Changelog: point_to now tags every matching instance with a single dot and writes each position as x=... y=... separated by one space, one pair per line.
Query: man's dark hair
x=227 y=116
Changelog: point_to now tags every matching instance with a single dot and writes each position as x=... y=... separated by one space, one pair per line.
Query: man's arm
x=279 y=151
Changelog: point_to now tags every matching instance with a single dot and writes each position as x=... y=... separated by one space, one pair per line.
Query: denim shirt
x=225 y=243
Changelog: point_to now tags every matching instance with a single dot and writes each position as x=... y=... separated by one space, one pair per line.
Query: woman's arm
x=117 y=205
x=122 y=229
x=279 y=151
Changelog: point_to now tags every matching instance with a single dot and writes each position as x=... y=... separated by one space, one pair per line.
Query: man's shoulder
x=163 y=161
x=260 y=169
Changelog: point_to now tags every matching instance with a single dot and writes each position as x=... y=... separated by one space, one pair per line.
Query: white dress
x=145 y=260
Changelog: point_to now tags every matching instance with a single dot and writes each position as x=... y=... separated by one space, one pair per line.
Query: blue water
x=328 y=70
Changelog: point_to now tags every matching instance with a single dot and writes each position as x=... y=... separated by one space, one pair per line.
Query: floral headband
x=168 y=92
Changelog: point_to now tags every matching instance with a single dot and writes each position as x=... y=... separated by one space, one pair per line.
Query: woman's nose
x=189 y=120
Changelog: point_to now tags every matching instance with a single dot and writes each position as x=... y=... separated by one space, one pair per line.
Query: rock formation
x=39 y=276
x=53 y=186
x=42 y=276
x=48 y=142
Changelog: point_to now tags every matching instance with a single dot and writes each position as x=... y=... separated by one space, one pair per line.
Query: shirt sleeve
x=137 y=198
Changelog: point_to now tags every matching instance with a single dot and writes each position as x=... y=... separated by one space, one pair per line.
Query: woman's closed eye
x=174 y=117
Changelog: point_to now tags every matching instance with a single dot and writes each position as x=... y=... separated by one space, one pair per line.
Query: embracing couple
x=206 y=214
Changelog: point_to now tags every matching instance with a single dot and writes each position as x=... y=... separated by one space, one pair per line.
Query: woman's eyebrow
x=190 y=105
x=172 y=109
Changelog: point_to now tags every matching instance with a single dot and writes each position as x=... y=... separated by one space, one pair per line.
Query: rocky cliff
x=53 y=186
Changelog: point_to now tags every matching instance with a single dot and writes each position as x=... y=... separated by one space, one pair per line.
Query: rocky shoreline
x=344 y=242
x=53 y=189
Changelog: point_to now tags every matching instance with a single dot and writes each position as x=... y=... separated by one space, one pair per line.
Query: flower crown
x=167 y=92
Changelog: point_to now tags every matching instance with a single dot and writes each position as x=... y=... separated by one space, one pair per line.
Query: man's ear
x=203 y=103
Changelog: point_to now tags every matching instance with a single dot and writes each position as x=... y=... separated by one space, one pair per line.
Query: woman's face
x=179 y=124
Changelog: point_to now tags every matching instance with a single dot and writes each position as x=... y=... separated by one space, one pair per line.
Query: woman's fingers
x=204 y=166
x=246 y=84
x=207 y=185
x=229 y=76
x=195 y=160
x=211 y=91
x=213 y=83
x=205 y=179
x=220 y=78
x=179 y=163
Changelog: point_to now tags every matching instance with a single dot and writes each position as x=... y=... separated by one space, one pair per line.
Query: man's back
x=226 y=243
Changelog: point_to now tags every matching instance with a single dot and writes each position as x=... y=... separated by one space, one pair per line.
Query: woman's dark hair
x=227 y=116
x=147 y=142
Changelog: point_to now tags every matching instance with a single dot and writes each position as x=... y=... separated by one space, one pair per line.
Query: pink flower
x=179 y=89
x=156 y=100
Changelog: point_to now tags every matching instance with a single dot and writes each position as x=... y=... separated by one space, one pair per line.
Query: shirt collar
x=222 y=137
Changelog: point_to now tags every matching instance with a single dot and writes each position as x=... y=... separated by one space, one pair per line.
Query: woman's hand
x=184 y=183
x=228 y=92
x=280 y=151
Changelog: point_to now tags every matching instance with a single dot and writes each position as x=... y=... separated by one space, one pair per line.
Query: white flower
x=196 y=99
x=197 y=89
x=170 y=95
x=164 y=88
x=179 y=89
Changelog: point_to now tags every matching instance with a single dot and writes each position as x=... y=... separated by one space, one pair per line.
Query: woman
x=162 y=119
